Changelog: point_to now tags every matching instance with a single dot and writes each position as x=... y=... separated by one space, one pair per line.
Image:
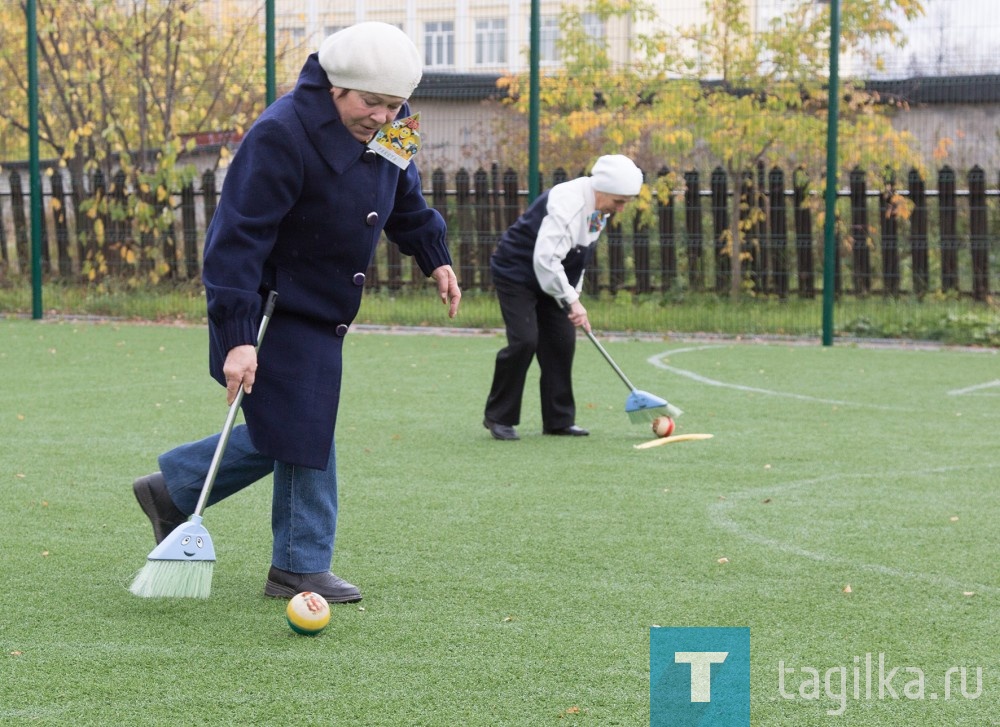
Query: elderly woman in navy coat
x=301 y=212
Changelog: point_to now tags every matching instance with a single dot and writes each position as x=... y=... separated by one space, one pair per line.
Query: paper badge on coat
x=398 y=141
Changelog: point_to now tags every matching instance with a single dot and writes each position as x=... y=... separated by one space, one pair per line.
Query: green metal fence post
x=829 y=230
x=534 y=102
x=269 y=61
x=33 y=162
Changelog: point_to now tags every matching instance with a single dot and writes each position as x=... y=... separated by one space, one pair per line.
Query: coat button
x=359 y=279
x=372 y=219
x=369 y=156
x=342 y=330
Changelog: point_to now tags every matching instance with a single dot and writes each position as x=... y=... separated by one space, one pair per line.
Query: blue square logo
x=699 y=677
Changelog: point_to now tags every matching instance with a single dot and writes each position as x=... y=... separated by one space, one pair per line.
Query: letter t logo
x=701 y=671
x=713 y=690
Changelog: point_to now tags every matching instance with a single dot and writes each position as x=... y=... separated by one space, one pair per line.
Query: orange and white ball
x=663 y=426
x=308 y=613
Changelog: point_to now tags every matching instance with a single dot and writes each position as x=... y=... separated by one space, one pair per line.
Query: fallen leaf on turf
x=723 y=561
x=508 y=619
x=573 y=710
x=848 y=589
x=767 y=501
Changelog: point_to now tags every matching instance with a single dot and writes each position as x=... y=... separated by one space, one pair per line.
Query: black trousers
x=536 y=327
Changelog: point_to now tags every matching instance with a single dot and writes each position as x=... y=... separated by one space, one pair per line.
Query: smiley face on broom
x=190 y=541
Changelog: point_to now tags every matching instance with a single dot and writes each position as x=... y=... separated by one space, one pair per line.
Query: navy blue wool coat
x=301 y=210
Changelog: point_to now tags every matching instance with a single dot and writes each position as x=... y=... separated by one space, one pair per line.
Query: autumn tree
x=125 y=89
x=719 y=94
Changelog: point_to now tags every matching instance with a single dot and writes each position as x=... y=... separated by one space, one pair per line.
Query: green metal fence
x=139 y=105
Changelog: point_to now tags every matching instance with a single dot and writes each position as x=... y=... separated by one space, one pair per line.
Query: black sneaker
x=151 y=492
x=282 y=584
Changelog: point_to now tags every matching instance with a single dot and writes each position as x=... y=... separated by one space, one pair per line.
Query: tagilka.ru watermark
x=872 y=677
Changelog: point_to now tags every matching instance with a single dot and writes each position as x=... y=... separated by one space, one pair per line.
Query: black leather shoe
x=570 y=431
x=282 y=584
x=151 y=492
x=500 y=431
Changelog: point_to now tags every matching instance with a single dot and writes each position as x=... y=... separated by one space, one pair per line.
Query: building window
x=290 y=38
x=439 y=44
x=491 y=42
x=548 y=37
x=593 y=26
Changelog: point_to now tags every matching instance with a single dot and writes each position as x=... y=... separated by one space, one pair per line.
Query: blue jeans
x=304 y=503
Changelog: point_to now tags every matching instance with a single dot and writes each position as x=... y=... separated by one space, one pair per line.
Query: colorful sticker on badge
x=597 y=221
x=398 y=141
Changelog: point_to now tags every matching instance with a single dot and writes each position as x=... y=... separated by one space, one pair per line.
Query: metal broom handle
x=607 y=356
x=610 y=360
x=227 y=428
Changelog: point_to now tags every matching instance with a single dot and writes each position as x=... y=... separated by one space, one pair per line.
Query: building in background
x=941 y=80
x=467 y=36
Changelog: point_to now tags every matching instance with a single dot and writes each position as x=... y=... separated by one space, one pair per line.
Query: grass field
x=847 y=506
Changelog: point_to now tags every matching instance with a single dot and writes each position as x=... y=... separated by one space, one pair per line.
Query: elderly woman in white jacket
x=538 y=274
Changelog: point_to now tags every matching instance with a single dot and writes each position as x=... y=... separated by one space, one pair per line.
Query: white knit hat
x=616 y=174
x=373 y=57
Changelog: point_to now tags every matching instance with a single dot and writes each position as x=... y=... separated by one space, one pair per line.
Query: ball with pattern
x=307 y=613
x=663 y=426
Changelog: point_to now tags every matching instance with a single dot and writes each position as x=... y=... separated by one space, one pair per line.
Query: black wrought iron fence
x=892 y=239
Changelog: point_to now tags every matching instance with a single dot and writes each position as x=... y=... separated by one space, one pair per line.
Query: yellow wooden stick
x=671 y=440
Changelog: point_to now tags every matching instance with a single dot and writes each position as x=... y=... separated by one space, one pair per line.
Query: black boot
x=282 y=584
x=151 y=492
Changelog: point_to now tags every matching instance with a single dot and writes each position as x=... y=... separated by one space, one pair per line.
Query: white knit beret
x=373 y=57
x=616 y=174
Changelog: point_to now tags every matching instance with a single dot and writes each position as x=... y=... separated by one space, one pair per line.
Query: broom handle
x=227 y=428
x=610 y=360
x=607 y=356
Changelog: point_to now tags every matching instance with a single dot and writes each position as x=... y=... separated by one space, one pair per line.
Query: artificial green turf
x=509 y=583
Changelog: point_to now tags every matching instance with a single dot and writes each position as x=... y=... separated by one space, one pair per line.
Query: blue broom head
x=179 y=567
x=643 y=407
x=187 y=542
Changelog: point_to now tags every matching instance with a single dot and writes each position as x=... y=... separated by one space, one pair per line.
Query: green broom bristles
x=180 y=566
x=174 y=579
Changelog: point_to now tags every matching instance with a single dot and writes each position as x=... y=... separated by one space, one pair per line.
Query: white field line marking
x=656 y=361
x=718 y=514
x=977 y=387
